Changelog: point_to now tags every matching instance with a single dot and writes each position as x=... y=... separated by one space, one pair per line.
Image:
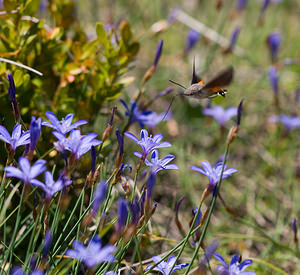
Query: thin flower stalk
x=14 y=235
x=189 y=234
x=172 y=250
x=211 y=209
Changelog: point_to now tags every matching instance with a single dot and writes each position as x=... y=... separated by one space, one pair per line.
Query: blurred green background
x=264 y=193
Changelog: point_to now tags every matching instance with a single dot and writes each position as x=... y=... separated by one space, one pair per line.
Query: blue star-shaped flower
x=65 y=125
x=76 y=143
x=148 y=143
x=234 y=268
x=93 y=254
x=17 y=138
x=157 y=164
x=165 y=267
x=219 y=114
x=27 y=173
x=51 y=187
x=214 y=174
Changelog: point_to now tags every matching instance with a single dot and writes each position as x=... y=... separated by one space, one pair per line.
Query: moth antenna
x=177 y=84
x=169 y=106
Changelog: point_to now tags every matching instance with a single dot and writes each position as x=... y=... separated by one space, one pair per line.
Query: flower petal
x=14 y=172
x=37 y=168
x=220 y=259
x=132 y=136
x=4 y=134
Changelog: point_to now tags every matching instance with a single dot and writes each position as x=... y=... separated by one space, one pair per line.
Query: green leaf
x=31 y=7
x=18 y=78
x=126 y=32
x=134 y=48
x=102 y=35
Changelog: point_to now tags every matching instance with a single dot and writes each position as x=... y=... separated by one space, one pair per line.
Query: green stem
x=67 y=224
x=187 y=236
x=13 y=239
x=172 y=250
x=78 y=232
x=211 y=209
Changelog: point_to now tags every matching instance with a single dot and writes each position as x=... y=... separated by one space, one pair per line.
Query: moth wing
x=195 y=78
x=223 y=79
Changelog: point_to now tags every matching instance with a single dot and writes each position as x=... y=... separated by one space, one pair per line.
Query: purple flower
x=152 y=119
x=221 y=115
x=234 y=37
x=191 y=40
x=158 y=164
x=289 y=122
x=35 y=132
x=51 y=187
x=294 y=226
x=274 y=40
x=134 y=113
x=234 y=268
x=99 y=196
x=77 y=144
x=27 y=173
x=148 y=143
x=145 y=117
x=93 y=254
x=241 y=4
x=209 y=252
x=17 y=138
x=135 y=211
x=158 y=52
x=120 y=142
x=265 y=5
x=122 y=213
x=214 y=174
x=11 y=88
x=150 y=185
x=47 y=243
x=65 y=125
x=12 y=97
x=165 y=267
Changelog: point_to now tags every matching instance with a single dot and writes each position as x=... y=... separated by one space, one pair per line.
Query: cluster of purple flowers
x=75 y=143
x=148 y=145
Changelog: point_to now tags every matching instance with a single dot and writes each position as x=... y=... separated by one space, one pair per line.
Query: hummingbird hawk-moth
x=200 y=90
x=212 y=88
